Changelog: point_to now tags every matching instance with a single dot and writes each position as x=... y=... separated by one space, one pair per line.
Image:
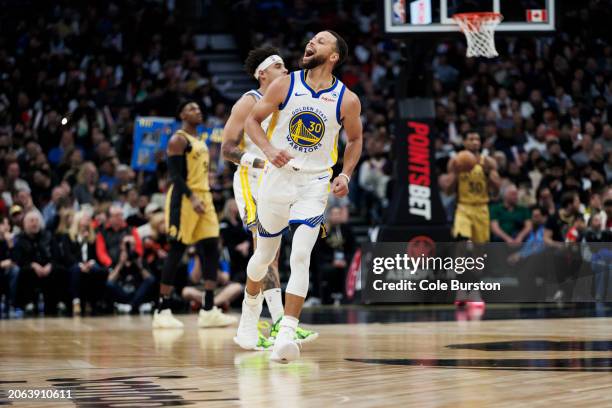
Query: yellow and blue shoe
x=302 y=336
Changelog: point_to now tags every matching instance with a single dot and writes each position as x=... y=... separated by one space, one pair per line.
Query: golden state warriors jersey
x=196 y=159
x=308 y=124
x=246 y=144
x=472 y=187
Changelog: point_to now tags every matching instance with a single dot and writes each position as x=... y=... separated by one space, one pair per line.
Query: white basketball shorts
x=289 y=196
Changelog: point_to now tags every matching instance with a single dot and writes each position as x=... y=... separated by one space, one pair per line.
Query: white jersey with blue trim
x=247 y=145
x=308 y=124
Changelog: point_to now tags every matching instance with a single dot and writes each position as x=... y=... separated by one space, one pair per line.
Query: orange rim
x=479 y=17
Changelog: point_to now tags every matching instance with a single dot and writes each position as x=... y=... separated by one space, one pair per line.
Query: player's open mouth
x=309 y=52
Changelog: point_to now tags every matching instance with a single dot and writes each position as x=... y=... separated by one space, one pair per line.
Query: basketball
x=465 y=160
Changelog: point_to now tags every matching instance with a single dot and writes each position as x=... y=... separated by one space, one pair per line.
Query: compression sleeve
x=176 y=170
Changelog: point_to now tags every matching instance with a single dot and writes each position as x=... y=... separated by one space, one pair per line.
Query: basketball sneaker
x=247 y=335
x=302 y=336
x=165 y=320
x=285 y=348
x=214 y=318
x=263 y=343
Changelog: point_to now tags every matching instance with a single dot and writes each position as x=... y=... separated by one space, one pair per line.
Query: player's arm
x=274 y=97
x=350 y=112
x=452 y=176
x=493 y=176
x=176 y=170
x=232 y=133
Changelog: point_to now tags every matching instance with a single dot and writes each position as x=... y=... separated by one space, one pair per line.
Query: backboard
x=435 y=16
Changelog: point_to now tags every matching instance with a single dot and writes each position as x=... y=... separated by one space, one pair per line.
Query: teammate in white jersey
x=265 y=65
x=308 y=109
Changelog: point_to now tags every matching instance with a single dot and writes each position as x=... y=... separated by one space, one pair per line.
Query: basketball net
x=479 y=30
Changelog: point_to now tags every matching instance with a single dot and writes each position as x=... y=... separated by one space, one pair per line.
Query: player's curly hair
x=182 y=105
x=256 y=57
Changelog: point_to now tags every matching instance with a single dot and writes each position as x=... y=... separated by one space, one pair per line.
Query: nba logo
x=399 y=11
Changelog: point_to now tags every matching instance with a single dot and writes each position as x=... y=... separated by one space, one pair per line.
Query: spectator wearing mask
x=33 y=256
x=510 y=222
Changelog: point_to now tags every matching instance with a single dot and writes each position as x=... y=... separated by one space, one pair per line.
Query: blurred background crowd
x=74 y=78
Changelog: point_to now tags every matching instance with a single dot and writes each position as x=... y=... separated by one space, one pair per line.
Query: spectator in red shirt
x=110 y=236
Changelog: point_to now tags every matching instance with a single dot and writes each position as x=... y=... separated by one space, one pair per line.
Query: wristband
x=348 y=179
x=247 y=159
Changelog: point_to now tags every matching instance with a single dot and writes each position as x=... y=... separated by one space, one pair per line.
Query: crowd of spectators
x=79 y=228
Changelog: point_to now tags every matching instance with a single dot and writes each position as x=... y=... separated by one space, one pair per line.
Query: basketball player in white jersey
x=265 y=65
x=308 y=109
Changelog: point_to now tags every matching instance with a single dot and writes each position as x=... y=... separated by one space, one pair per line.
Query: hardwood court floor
x=120 y=361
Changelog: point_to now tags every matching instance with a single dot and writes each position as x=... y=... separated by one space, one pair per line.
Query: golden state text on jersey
x=308 y=123
x=306 y=128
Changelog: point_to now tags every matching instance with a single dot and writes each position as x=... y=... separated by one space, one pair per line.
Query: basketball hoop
x=479 y=29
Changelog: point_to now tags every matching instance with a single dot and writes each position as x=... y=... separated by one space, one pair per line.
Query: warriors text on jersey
x=309 y=123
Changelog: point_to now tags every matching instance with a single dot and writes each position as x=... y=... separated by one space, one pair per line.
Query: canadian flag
x=537 y=16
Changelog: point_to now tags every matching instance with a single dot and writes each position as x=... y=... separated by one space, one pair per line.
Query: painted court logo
x=306 y=129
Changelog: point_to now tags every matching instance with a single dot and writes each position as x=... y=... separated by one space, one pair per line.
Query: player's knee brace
x=262 y=258
x=300 y=265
